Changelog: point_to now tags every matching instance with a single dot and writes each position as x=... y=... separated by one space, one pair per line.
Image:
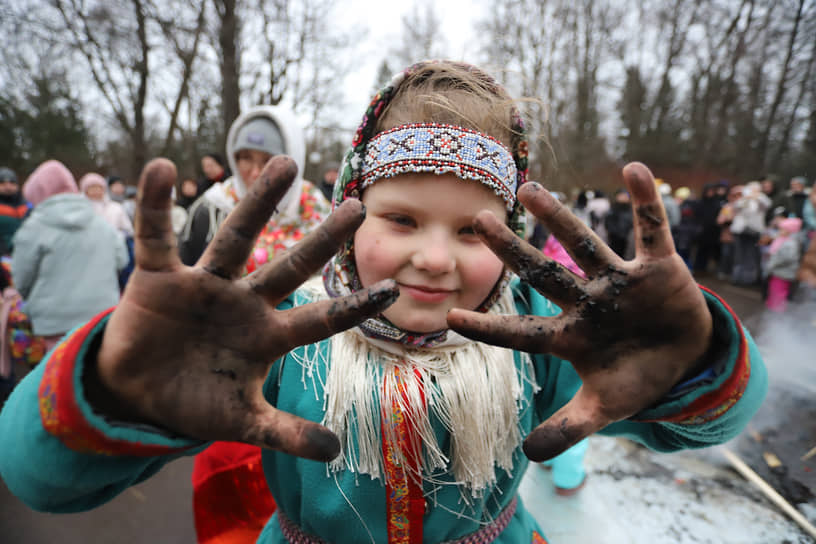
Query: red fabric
x=405 y=501
x=231 y=500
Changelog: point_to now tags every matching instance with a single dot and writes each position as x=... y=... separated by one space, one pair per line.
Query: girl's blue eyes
x=402 y=220
x=407 y=221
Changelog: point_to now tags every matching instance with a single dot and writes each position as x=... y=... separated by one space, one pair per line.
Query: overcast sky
x=382 y=29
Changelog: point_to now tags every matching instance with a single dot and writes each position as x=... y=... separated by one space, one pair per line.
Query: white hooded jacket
x=219 y=200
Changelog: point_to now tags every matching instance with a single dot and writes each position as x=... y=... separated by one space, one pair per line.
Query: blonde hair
x=450 y=93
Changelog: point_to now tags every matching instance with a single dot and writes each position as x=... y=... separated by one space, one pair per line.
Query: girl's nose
x=434 y=254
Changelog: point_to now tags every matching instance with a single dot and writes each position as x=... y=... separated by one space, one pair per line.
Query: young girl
x=783 y=263
x=423 y=425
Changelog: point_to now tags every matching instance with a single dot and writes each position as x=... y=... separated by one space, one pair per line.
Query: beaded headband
x=441 y=149
x=340 y=275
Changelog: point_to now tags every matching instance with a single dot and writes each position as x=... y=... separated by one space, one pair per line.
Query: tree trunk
x=143 y=70
x=230 y=64
x=780 y=87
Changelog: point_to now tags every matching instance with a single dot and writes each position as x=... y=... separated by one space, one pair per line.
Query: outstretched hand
x=188 y=348
x=632 y=329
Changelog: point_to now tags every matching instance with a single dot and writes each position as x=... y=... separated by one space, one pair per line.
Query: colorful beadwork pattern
x=441 y=149
x=710 y=406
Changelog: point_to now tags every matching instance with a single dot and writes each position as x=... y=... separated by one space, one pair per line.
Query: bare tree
x=551 y=53
x=421 y=36
x=229 y=56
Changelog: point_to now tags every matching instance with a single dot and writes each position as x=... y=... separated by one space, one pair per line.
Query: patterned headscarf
x=340 y=275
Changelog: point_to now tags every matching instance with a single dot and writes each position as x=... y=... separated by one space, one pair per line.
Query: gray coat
x=784 y=264
x=65 y=263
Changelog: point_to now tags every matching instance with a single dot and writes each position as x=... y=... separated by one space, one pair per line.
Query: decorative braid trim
x=714 y=404
x=60 y=411
x=294 y=535
x=442 y=149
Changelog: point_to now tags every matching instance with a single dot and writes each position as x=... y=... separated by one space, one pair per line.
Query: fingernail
x=325 y=444
x=384 y=294
x=543 y=444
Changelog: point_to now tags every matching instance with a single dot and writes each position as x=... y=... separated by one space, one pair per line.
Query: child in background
x=783 y=263
x=724 y=220
x=424 y=409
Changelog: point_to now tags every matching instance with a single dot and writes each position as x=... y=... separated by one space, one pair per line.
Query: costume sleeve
x=25 y=259
x=707 y=410
x=57 y=454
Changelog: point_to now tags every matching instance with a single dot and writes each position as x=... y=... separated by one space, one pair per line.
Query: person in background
x=724 y=220
x=747 y=227
x=794 y=198
x=116 y=189
x=783 y=263
x=66 y=257
x=597 y=207
x=214 y=170
x=618 y=224
x=188 y=192
x=580 y=207
x=256 y=136
x=809 y=220
x=672 y=208
x=686 y=232
x=93 y=186
x=329 y=177
x=708 y=240
x=13 y=209
x=770 y=188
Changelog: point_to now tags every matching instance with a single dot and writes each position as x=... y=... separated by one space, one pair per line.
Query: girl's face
x=418 y=231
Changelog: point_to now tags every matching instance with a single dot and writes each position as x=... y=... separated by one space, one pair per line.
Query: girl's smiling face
x=418 y=231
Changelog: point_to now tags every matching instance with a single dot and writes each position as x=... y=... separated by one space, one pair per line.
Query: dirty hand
x=632 y=329
x=188 y=348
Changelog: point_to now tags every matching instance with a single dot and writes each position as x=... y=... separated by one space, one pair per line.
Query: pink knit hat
x=91 y=179
x=49 y=179
x=791 y=224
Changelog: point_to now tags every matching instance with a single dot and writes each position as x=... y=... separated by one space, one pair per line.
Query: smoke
x=787 y=341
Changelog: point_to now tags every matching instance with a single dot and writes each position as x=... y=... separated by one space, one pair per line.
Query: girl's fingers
x=318 y=320
x=277 y=430
x=529 y=333
x=652 y=232
x=586 y=248
x=154 y=242
x=229 y=250
x=575 y=421
x=545 y=275
x=284 y=274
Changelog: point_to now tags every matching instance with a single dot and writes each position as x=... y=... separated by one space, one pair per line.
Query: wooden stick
x=769 y=491
x=809 y=454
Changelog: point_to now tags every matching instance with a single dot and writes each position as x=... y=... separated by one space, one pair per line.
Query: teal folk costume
x=430 y=426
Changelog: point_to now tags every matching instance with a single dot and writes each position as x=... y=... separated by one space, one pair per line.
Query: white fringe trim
x=474 y=390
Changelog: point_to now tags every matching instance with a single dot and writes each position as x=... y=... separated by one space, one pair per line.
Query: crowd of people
x=395 y=363
x=754 y=234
